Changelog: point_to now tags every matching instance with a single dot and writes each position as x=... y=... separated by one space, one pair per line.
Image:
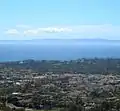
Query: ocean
x=14 y=52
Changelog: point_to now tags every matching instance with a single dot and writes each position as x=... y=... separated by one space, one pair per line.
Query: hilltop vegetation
x=84 y=66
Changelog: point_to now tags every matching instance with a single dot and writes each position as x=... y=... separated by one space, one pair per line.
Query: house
x=13 y=107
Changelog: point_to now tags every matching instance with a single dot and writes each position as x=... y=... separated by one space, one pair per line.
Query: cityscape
x=24 y=88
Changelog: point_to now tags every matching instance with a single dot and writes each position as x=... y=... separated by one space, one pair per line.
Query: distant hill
x=60 y=41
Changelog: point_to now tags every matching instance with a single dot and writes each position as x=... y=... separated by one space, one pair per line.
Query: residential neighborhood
x=29 y=90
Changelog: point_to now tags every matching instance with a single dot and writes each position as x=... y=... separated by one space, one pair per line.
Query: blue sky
x=33 y=19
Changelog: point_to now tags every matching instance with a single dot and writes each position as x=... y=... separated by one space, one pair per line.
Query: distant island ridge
x=61 y=41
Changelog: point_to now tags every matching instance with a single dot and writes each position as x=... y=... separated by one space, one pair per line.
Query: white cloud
x=106 y=31
x=12 y=32
x=23 y=26
x=54 y=30
x=31 y=32
x=39 y=31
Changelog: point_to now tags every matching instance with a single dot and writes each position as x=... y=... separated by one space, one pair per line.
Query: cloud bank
x=12 y=32
x=81 y=31
x=39 y=31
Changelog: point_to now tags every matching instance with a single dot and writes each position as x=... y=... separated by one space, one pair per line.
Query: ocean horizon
x=15 y=52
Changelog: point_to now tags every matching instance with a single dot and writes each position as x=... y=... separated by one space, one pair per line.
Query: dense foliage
x=93 y=66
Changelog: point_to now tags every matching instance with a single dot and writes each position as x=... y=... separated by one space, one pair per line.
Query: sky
x=59 y=19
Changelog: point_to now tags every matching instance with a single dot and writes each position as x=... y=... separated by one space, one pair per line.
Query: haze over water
x=68 y=51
